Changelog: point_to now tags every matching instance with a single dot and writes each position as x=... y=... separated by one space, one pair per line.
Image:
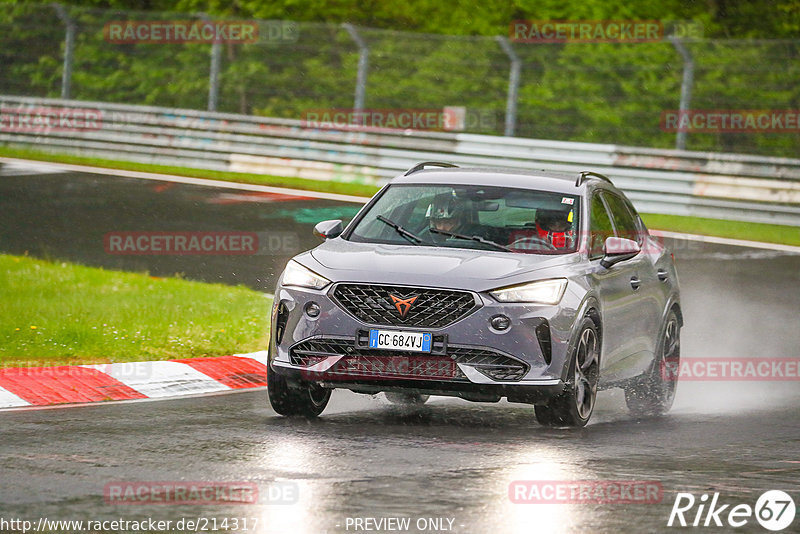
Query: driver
x=554 y=226
x=448 y=214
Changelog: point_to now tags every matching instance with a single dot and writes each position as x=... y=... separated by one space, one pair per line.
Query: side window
x=599 y=227
x=640 y=227
x=624 y=222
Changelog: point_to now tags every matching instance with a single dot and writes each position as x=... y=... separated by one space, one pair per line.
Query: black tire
x=573 y=407
x=654 y=392
x=406 y=399
x=307 y=400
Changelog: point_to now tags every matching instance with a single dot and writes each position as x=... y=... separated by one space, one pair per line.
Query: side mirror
x=617 y=249
x=328 y=229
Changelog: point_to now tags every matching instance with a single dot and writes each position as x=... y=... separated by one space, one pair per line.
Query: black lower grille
x=363 y=362
x=427 y=308
x=313 y=351
x=494 y=365
x=281 y=317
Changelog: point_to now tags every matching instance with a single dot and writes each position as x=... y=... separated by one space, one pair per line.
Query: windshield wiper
x=477 y=238
x=412 y=237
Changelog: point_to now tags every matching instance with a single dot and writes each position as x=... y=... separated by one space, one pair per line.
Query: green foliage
x=593 y=92
x=765 y=19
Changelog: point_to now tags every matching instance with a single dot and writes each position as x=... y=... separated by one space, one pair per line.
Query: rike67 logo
x=774 y=510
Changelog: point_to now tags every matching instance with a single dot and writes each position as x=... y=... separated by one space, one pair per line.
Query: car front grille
x=429 y=308
x=364 y=362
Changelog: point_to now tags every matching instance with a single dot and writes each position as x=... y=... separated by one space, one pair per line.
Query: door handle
x=635 y=282
x=662 y=275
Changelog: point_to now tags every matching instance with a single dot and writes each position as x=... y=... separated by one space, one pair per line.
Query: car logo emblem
x=403 y=305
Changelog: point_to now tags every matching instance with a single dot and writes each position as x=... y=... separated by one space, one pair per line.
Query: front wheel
x=307 y=399
x=574 y=405
x=654 y=392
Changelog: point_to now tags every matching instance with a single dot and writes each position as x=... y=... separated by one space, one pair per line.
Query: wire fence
x=577 y=91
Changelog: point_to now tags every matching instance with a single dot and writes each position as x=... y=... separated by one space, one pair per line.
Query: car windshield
x=473 y=217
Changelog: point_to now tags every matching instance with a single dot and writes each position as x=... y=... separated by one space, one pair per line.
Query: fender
x=673 y=300
x=589 y=301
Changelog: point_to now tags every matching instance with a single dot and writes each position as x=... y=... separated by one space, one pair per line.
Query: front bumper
x=470 y=359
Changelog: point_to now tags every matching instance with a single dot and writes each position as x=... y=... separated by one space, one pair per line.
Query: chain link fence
x=593 y=92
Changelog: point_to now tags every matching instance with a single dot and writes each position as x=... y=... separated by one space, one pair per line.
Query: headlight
x=297 y=275
x=541 y=292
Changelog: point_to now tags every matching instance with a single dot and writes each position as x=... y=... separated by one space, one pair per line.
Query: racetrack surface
x=68 y=216
x=363 y=457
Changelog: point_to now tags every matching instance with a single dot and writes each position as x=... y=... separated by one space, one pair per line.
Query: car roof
x=560 y=182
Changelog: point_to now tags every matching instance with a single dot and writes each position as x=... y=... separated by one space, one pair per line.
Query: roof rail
x=583 y=174
x=421 y=166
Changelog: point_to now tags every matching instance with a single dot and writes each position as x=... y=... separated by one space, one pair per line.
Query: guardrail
x=716 y=185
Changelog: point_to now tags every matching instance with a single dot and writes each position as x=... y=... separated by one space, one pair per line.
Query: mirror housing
x=328 y=229
x=617 y=249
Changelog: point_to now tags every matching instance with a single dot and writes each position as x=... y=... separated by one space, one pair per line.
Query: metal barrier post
x=69 y=48
x=363 y=63
x=213 y=75
x=686 y=87
x=513 y=86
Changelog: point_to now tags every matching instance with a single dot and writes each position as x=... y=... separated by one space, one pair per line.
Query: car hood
x=478 y=270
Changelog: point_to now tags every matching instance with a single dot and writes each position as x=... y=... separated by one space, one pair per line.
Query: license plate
x=396 y=340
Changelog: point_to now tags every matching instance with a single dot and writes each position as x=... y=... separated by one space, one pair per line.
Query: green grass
x=62 y=313
x=344 y=188
x=769 y=233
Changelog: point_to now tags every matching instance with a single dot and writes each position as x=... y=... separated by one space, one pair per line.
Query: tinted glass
x=624 y=221
x=600 y=227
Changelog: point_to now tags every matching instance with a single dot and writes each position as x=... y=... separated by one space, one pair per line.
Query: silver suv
x=481 y=284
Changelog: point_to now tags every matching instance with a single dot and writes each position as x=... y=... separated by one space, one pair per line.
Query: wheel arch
x=674 y=305
x=590 y=307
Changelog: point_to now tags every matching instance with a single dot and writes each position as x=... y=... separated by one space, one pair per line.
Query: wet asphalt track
x=364 y=458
